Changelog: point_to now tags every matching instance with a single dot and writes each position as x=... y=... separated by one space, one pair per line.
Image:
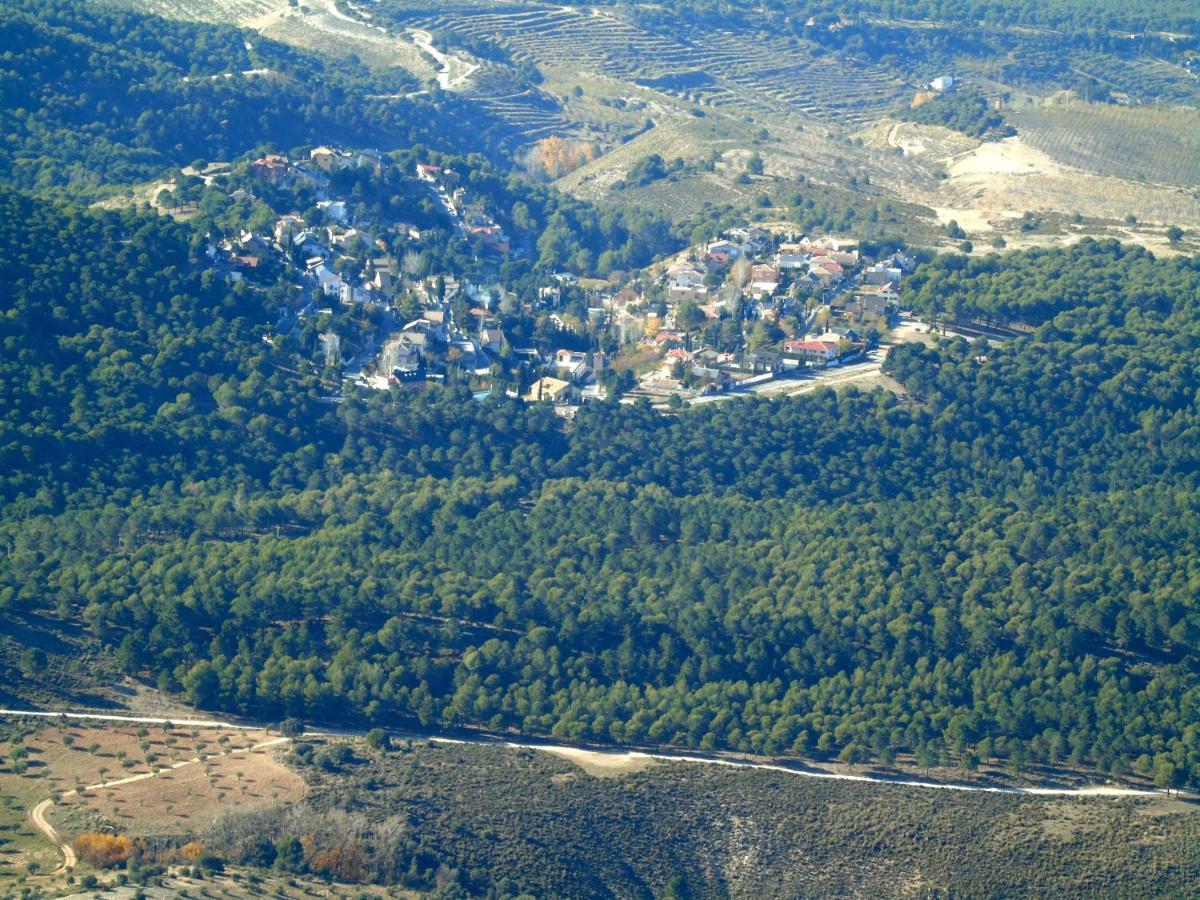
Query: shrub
x=342 y=861
x=378 y=739
x=210 y=862
x=103 y=850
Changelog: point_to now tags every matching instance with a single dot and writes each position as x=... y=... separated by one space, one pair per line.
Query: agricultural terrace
x=530 y=111
x=234 y=12
x=743 y=71
x=1147 y=79
x=1140 y=143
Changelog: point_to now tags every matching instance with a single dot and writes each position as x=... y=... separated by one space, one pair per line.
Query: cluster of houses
x=436 y=343
x=817 y=294
x=823 y=284
x=280 y=170
x=342 y=261
x=345 y=262
x=331 y=248
x=747 y=265
x=470 y=218
x=431 y=347
x=761 y=268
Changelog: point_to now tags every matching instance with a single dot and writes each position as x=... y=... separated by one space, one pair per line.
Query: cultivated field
x=183 y=801
x=129 y=780
x=1138 y=143
x=1149 y=80
x=233 y=12
x=743 y=71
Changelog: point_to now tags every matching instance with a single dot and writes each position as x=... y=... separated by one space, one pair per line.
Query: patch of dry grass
x=604 y=765
x=187 y=800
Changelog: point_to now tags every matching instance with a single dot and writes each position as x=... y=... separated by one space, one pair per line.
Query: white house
x=572 y=364
x=722 y=251
x=882 y=274
x=334 y=209
x=814 y=353
x=792 y=256
x=328 y=280
x=685 y=277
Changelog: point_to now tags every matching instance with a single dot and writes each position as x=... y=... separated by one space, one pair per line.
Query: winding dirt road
x=38 y=816
x=424 y=41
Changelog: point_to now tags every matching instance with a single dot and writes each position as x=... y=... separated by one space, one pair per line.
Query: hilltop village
x=392 y=273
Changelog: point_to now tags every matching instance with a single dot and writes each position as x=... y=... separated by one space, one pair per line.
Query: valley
x=695 y=449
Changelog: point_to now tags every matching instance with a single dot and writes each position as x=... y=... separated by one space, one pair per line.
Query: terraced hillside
x=1143 y=144
x=530 y=112
x=235 y=12
x=821 y=106
x=743 y=72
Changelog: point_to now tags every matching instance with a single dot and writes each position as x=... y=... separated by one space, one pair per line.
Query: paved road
x=489 y=741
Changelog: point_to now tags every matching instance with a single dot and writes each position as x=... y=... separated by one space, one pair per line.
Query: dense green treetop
x=964 y=111
x=92 y=97
x=1006 y=554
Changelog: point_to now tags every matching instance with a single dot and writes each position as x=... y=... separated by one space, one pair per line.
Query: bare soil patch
x=999 y=179
x=604 y=765
x=68 y=761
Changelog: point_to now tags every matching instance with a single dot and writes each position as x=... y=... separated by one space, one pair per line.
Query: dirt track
x=446 y=77
x=38 y=814
x=801 y=770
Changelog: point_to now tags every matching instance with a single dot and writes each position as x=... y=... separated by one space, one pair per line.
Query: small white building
x=685 y=277
x=328 y=280
x=334 y=209
x=792 y=256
